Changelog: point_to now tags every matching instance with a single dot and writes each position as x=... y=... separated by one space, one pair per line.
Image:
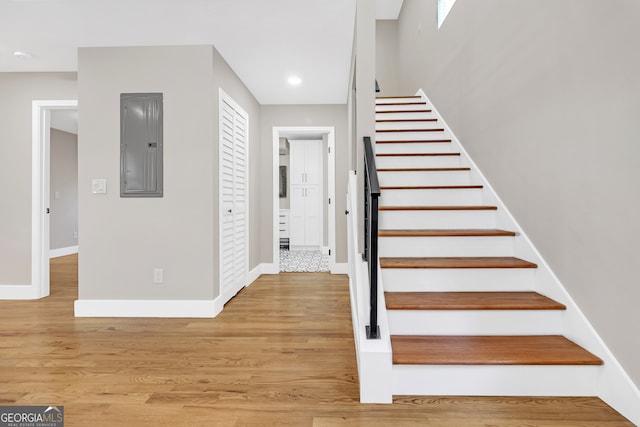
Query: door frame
x=40 y=191
x=331 y=187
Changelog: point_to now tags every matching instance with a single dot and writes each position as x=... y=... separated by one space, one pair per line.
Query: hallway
x=279 y=353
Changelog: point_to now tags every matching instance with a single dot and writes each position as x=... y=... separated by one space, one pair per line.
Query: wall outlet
x=158 y=275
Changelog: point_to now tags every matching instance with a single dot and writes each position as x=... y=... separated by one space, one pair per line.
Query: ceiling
x=264 y=41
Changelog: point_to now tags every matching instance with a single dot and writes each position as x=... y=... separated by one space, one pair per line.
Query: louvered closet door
x=233 y=197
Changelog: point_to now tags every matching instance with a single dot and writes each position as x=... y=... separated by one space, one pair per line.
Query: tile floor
x=303 y=261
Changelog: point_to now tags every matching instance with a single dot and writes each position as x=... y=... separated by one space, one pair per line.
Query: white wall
x=545 y=99
x=387 y=58
x=64 y=190
x=17 y=91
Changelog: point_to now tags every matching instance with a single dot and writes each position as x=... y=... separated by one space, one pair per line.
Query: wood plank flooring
x=281 y=353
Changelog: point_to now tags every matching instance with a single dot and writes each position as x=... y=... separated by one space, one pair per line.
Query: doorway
x=324 y=258
x=41 y=191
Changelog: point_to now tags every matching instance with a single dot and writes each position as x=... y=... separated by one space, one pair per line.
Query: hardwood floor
x=281 y=353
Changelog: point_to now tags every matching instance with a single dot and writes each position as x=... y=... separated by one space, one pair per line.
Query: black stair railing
x=371 y=195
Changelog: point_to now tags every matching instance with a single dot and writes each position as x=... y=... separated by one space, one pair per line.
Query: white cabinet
x=305 y=216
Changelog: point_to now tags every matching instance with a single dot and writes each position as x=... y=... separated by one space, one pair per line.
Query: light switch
x=99 y=186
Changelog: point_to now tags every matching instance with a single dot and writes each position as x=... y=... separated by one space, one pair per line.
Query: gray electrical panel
x=141 y=145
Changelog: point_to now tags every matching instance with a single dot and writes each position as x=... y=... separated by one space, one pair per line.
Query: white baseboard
x=340 y=268
x=148 y=308
x=269 y=268
x=19 y=292
x=55 y=253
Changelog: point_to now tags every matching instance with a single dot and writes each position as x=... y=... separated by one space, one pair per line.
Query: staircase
x=464 y=314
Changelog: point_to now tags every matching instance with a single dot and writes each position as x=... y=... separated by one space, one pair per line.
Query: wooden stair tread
x=401 y=111
x=470 y=301
x=432 y=187
x=455 y=262
x=489 y=350
x=417 y=154
x=409 y=130
x=414 y=141
x=438 y=208
x=384 y=104
x=406 y=120
x=422 y=169
x=446 y=233
x=399 y=97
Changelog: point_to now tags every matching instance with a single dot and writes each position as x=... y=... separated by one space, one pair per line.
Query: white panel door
x=234 y=262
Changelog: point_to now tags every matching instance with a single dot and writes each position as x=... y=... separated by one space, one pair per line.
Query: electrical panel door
x=141 y=145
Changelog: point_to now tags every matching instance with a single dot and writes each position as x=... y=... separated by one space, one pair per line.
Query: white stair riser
x=439 y=197
x=417 y=161
x=473 y=380
x=458 y=279
x=403 y=107
x=445 y=246
x=414 y=220
x=475 y=322
x=407 y=125
x=407 y=116
x=414 y=147
x=422 y=178
x=414 y=135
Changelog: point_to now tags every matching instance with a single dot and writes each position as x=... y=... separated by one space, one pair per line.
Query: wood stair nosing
x=418 y=155
x=455 y=262
x=489 y=350
x=401 y=111
x=438 y=208
x=423 y=169
x=414 y=141
x=447 y=233
x=387 y=104
x=399 y=97
x=409 y=130
x=432 y=187
x=406 y=120
x=470 y=301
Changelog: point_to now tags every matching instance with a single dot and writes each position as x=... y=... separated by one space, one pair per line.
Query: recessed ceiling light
x=22 y=55
x=294 y=80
